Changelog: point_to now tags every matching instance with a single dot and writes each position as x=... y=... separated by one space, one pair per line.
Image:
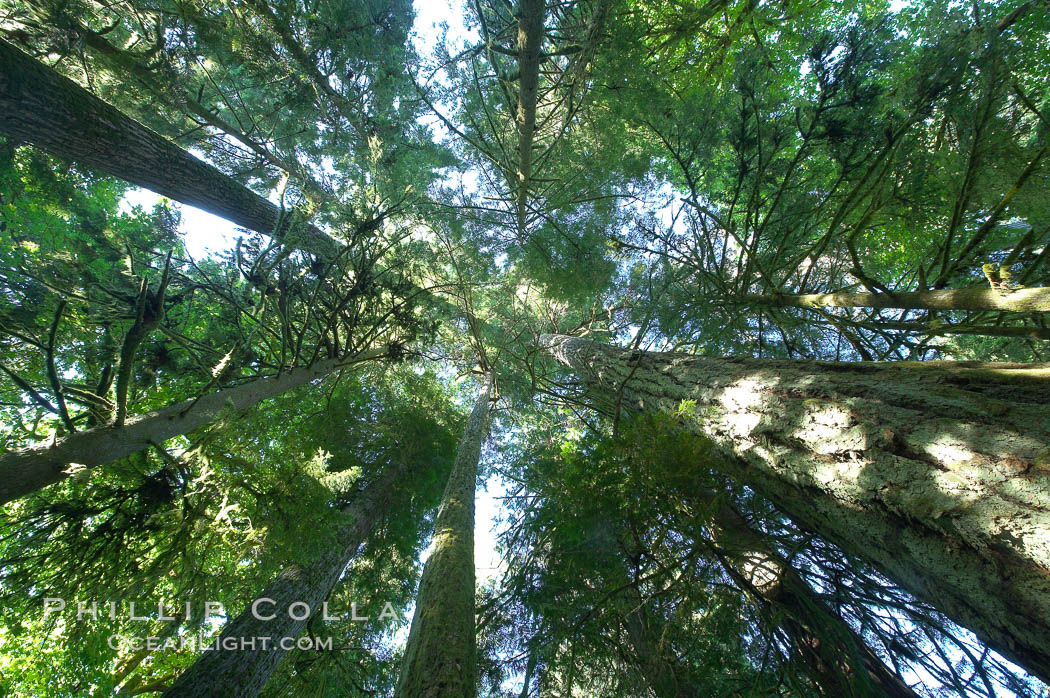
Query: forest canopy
x=593 y=348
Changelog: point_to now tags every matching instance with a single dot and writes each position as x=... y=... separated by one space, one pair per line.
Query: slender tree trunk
x=1026 y=300
x=938 y=473
x=440 y=659
x=838 y=660
x=978 y=330
x=532 y=14
x=241 y=664
x=39 y=106
x=664 y=674
x=30 y=469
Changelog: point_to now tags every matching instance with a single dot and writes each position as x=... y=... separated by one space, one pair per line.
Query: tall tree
x=1022 y=300
x=440 y=657
x=54 y=113
x=937 y=474
x=30 y=469
x=239 y=665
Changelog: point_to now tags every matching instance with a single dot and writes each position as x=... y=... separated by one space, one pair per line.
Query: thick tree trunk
x=938 y=474
x=30 y=469
x=253 y=644
x=834 y=655
x=1026 y=300
x=440 y=657
x=530 y=42
x=39 y=106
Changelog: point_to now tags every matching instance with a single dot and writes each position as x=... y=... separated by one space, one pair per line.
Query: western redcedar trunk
x=937 y=473
x=229 y=670
x=440 y=659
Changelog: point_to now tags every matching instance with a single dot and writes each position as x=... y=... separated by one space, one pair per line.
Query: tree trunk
x=662 y=672
x=440 y=657
x=837 y=659
x=938 y=473
x=39 y=106
x=240 y=665
x=1024 y=332
x=1023 y=300
x=530 y=43
x=30 y=469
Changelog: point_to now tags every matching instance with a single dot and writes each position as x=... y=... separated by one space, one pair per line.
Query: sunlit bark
x=1019 y=300
x=938 y=473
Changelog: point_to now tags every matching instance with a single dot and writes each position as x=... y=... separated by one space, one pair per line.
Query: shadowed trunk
x=30 y=469
x=1028 y=300
x=41 y=107
x=440 y=659
x=662 y=671
x=240 y=665
x=530 y=41
x=937 y=473
x=1024 y=332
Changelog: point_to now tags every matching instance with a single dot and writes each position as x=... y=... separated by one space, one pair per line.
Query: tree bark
x=39 y=106
x=530 y=41
x=1023 y=300
x=440 y=657
x=239 y=665
x=937 y=473
x=30 y=469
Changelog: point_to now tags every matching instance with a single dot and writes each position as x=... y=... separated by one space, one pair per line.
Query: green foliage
x=686 y=153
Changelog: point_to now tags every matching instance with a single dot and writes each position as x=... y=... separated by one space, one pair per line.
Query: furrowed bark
x=938 y=474
x=167 y=87
x=41 y=107
x=530 y=41
x=28 y=470
x=440 y=657
x=1022 y=300
x=229 y=670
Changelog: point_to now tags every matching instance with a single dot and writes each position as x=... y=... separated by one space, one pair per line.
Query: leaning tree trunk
x=834 y=656
x=938 y=473
x=39 y=106
x=440 y=657
x=1027 y=300
x=30 y=469
x=240 y=666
